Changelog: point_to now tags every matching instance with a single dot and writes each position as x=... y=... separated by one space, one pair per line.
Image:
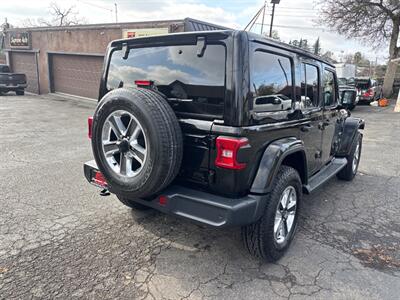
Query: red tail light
x=144 y=82
x=99 y=179
x=227 y=151
x=369 y=93
x=90 y=124
x=162 y=200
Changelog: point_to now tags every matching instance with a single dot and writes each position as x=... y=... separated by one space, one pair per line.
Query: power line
x=254 y=19
x=102 y=7
x=300 y=27
x=297 y=16
x=95 y=5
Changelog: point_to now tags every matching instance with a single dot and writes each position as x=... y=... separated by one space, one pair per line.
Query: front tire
x=271 y=235
x=353 y=160
x=20 y=93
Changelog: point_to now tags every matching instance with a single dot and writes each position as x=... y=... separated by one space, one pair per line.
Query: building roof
x=196 y=25
x=189 y=23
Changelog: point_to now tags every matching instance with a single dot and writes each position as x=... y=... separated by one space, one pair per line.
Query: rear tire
x=132 y=204
x=136 y=163
x=262 y=237
x=353 y=160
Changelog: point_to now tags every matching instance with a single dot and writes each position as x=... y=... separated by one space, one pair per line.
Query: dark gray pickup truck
x=11 y=81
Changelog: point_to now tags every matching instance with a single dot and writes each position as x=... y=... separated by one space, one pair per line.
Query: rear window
x=193 y=84
x=271 y=82
x=362 y=83
x=4 y=69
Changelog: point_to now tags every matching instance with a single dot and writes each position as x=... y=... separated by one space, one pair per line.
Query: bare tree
x=60 y=16
x=374 y=21
x=63 y=16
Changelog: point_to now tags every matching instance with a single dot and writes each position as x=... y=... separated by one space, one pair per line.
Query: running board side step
x=325 y=174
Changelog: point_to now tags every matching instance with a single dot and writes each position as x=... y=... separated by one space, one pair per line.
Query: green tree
x=374 y=21
x=357 y=58
x=305 y=45
x=295 y=43
x=317 y=47
x=275 y=35
x=328 y=55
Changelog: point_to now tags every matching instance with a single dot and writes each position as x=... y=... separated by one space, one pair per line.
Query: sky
x=294 y=19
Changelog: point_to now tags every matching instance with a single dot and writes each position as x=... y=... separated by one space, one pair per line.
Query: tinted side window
x=271 y=81
x=329 y=88
x=309 y=86
x=312 y=84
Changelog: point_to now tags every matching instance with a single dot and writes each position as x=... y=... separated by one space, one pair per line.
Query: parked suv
x=368 y=89
x=198 y=125
x=11 y=81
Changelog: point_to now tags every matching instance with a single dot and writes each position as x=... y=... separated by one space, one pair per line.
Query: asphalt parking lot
x=59 y=239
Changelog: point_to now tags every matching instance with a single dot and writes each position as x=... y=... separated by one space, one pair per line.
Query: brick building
x=69 y=59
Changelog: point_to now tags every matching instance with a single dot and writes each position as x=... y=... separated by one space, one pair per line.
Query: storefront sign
x=20 y=40
x=134 y=33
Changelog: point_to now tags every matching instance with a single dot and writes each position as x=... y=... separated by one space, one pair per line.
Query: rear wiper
x=125 y=50
x=201 y=46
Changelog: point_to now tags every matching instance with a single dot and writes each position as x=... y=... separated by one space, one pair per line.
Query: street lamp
x=272 y=16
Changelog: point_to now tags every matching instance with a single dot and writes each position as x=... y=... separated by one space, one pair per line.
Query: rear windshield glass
x=4 y=69
x=363 y=83
x=193 y=84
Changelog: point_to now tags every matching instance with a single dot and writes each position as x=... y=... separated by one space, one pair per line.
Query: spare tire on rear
x=136 y=142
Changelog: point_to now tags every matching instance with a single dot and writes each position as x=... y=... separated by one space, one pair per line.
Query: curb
x=397 y=107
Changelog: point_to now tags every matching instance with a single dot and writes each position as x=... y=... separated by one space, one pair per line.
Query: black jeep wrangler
x=226 y=128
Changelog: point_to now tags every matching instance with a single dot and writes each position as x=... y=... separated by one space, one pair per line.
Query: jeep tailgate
x=196 y=152
x=191 y=75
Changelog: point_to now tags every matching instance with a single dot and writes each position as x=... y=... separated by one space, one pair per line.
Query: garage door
x=22 y=62
x=76 y=74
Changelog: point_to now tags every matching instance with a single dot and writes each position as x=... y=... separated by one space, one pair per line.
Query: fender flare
x=272 y=159
x=351 y=127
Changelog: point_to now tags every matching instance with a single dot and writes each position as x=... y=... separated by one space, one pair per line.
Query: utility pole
x=272 y=16
x=253 y=20
x=262 y=23
x=116 y=12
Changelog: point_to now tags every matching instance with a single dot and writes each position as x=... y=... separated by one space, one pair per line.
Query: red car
x=368 y=89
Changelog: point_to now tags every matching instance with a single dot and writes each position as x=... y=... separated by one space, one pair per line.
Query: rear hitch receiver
x=105 y=192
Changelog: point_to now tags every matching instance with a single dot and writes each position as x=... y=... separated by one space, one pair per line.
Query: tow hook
x=105 y=192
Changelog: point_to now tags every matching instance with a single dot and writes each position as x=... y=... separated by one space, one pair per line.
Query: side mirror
x=271 y=103
x=344 y=113
x=277 y=101
x=267 y=100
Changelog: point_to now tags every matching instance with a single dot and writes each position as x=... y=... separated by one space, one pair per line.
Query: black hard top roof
x=252 y=37
x=263 y=39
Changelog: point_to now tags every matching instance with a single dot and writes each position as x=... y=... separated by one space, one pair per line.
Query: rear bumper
x=363 y=98
x=12 y=87
x=200 y=206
